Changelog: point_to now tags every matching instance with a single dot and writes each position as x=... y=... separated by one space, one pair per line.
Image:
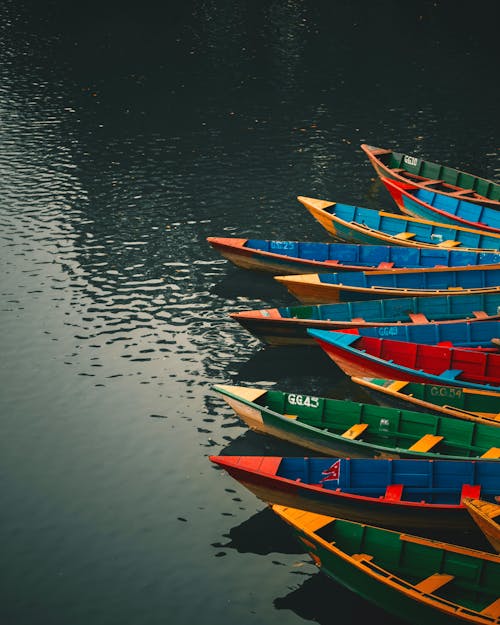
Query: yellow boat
x=487 y=517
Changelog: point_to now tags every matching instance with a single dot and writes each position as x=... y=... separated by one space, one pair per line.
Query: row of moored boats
x=408 y=306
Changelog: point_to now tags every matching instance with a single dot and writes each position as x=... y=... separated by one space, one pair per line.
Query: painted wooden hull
x=298 y=257
x=333 y=287
x=366 y=498
x=427 y=175
x=479 y=406
x=486 y=515
x=416 y=579
x=288 y=325
x=351 y=429
x=411 y=201
x=364 y=225
x=412 y=362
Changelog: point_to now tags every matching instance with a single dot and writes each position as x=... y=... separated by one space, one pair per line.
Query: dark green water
x=128 y=135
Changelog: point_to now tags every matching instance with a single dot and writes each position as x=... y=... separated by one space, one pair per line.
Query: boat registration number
x=445 y=391
x=411 y=160
x=303 y=400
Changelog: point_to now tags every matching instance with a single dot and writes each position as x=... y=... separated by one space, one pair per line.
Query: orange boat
x=487 y=517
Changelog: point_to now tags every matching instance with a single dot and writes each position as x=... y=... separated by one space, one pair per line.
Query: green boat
x=440 y=179
x=335 y=427
x=414 y=578
x=453 y=401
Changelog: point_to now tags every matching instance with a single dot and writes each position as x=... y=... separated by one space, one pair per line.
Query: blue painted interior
x=436 y=481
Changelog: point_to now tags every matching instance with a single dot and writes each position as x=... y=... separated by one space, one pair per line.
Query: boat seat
x=449 y=243
x=470 y=490
x=359 y=557
x=385 y=265
x=455 y=288
x=463 y=192
x=290 y=416
x=426 y=443
x=433 y=582
x=358 y=319
x=492 y=610
x=397 y=385
x=393 y=492
x=332 y=262
x=355 y=430
x=404 y=235
x=451 y=374
x=428 y=183
x=418 y=318
x=492 y=453
x=480 y=314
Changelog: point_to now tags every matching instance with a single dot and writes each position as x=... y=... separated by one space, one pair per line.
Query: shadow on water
x=263 y=533
x=323 y=601
x=254 y=444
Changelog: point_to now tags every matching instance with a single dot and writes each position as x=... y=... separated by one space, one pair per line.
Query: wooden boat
x=416 y=579
x=468 y=334
x=453 y=401
x=363 y=356
x=287 y=325
x=292 y=257
x=365 y=225
x=335 y=427
x=327 y=288
x=429 y=205
x=486 y=515
x=427 y=175
x=408 y=495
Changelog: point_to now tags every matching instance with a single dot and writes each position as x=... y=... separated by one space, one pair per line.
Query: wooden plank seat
x=426 y=443
x=433 y=582
x=493 y=453
x=418 y=318
x=357 y=319
x=461 y=192
x=385 y=265
x=355 y=430
x=393 y=492
x=492 y=610
x=480 y=314
x=397 y=385
x=449 y=243
x=470 y=490
x=431 y=182
x=359 y=557
x=404 y=235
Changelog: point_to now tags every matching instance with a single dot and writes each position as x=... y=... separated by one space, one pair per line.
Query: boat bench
x=433 y=582
x=355 y=430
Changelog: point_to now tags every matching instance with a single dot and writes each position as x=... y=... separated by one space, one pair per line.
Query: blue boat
x=295 y=257
x=403 y=494
x=287 y=325
x=365 y=225
x=460 y=334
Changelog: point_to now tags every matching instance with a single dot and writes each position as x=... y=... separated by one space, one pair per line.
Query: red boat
x=382 y=358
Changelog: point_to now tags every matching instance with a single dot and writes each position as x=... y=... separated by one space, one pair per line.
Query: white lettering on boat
x=303 y=400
